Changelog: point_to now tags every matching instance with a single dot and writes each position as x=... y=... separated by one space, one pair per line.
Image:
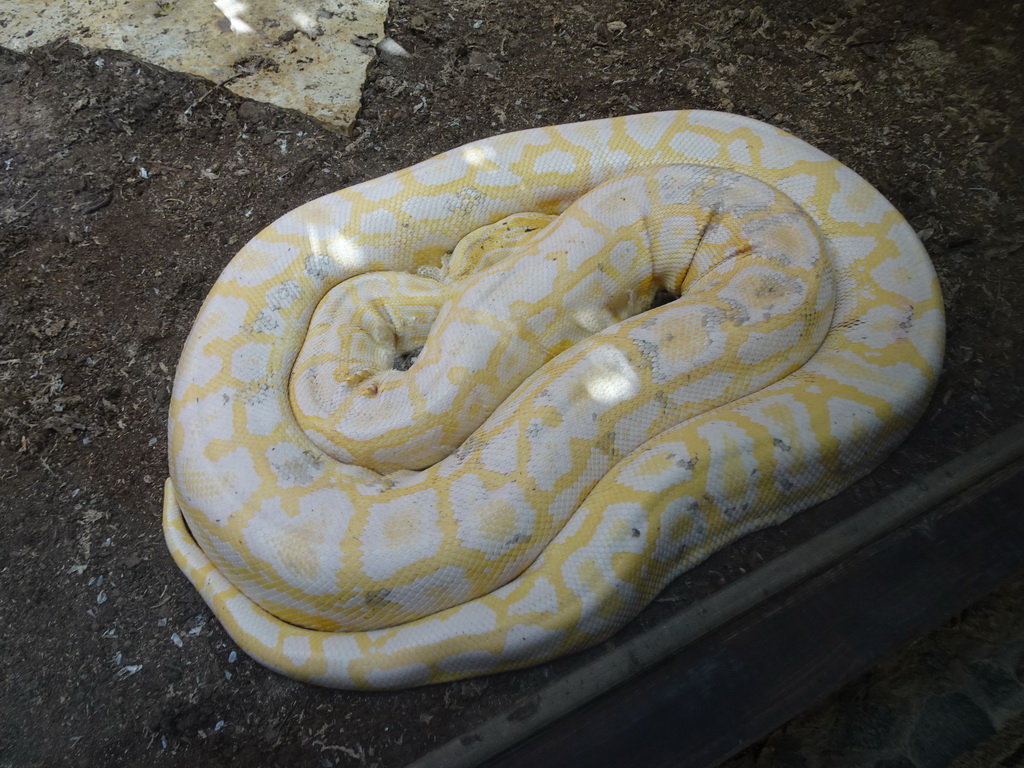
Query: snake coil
x=476 y=414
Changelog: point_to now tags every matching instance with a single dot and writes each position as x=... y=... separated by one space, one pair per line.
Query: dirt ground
x=124 y=190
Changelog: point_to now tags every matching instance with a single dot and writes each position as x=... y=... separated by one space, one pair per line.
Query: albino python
x=477 y=413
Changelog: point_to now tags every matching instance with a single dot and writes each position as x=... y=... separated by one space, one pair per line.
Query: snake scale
x=477 y=413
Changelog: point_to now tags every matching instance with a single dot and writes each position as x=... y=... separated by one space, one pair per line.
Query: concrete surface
x=306 y=55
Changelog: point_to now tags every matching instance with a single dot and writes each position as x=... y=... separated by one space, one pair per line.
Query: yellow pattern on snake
x=476 y=414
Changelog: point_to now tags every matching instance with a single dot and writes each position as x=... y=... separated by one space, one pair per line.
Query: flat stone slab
x=306 y=55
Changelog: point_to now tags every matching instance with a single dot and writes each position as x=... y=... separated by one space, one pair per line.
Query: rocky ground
x=124 y=189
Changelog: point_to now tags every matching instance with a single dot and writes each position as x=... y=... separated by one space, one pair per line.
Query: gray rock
x=865 y=726
x=895 y=762
x=946 y=726
x=998 y=685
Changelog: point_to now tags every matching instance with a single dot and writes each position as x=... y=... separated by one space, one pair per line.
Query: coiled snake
x=477 y=413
